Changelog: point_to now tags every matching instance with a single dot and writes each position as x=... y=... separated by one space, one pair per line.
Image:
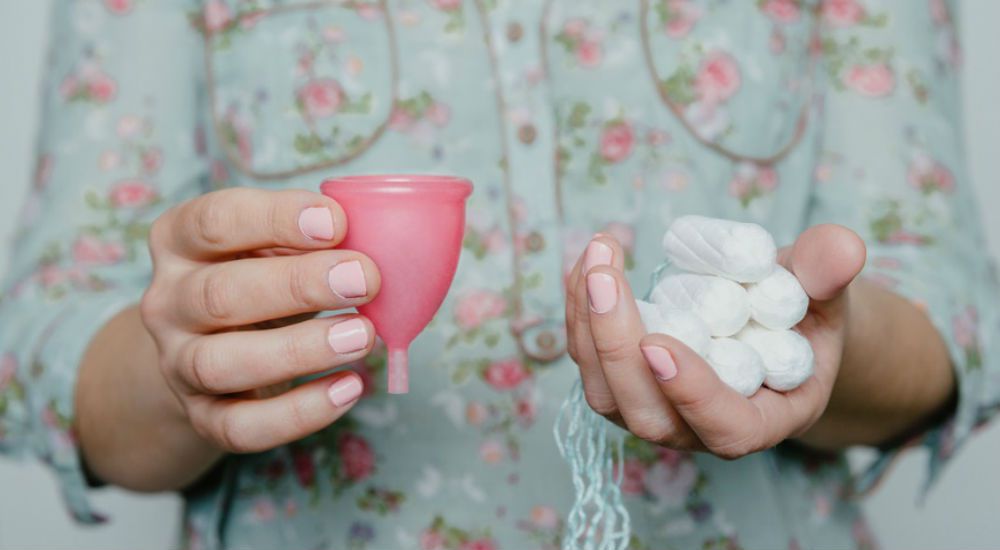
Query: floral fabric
x=571 y=116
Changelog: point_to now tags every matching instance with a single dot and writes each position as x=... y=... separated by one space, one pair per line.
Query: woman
x=571 y=118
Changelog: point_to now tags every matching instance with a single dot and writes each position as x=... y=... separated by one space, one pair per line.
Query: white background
x=963 y=511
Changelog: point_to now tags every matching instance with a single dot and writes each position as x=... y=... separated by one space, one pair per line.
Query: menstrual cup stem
x=399 y=372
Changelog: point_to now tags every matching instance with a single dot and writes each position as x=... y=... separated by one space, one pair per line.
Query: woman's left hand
x=663 y=392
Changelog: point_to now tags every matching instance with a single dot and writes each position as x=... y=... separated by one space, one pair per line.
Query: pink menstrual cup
x=412 y=227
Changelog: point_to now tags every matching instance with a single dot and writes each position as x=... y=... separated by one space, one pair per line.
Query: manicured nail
x=597 y=253
x=603 y=292
x=347 y=280
x=660 y=362
x=345 y=391
x=316 y=223
x=348 y=336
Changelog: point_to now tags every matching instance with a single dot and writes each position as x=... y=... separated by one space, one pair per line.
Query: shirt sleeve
x=892 y=169
x=118 y=145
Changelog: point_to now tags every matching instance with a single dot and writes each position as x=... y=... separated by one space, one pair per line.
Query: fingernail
x=347 y=280
x=345 y=391
x=316 y=223
x=348 y=336
x=597 y=253
x=660 y=362
x=602 y=291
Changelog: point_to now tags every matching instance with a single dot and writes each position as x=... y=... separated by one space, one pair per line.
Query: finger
x=617 y=331
x=230 y=221
x=600 y=251
x=241 y=292
x=254 y=425
x=825 y=259
x=232 y=362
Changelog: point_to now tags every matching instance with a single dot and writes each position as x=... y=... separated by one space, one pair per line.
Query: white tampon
x=742 y=252
x=682 y=325
x=737 y=364
x=787 y=355
x=722 y=304
x=778 y=302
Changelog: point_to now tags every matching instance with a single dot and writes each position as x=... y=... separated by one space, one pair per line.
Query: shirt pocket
x=737 y=75
x=298 y=86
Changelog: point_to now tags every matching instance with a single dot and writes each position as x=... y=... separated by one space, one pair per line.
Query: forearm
x=132 y=430
x=895 y=376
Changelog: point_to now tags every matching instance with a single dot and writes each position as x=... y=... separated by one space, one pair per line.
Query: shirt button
x=514 y=31
x=527 y=134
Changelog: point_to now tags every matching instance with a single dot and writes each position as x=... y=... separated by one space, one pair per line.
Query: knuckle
x=294 y=355
x=214 y=297
x=298 y=417
x=234 y=435
x=159 y=233
x=615 y=350
x=302 y=287
x=737 y=448
x=209 y=220
x=152 y=307
x=601 y=403
x=653 y=428
x=201 y=368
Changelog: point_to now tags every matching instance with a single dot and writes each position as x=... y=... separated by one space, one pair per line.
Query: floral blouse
x=571 y=116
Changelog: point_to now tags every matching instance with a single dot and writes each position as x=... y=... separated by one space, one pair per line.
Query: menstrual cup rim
x=422 y=184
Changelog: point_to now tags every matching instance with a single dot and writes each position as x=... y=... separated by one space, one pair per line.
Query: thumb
x=825 y=259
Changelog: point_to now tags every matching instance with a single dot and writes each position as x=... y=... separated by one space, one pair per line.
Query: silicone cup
x=412 y=227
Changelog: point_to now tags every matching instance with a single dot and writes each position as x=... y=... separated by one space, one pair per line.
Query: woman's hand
x=663 y=392
x=226 y=266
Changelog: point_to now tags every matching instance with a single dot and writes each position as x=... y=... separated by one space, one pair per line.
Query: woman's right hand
x=230 y=260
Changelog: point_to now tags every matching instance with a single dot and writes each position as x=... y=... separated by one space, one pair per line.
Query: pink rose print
x=438 y=114
x=634 y=474
x=132 y=194
x=681 y=17
x=718 y=78
x=940 y=13
x=782 y=11
x=491 y=451
x=525 y=409
x=709 y=119
x=356 y=457
x=89 y=84
x=217 y=15
x=871 y=80
x=588 y=53
x=476 y=413
x=304 y=466
x=617 y=140
x=477 y=307
x=506 y=374
x=928 y=175
x=152 y=159
x=8 y=368
x=752 y=181
x=479 y=544
x=102 y=88
x=264 y=510
x=545 y=517
x=842 y=13
x=671 y=484
x=321 y=98
x=965 y=327
x=583 y=42
x=447 y=5
x=431 y=540
x=118 y=7
x=129 y=127
x=90 y=250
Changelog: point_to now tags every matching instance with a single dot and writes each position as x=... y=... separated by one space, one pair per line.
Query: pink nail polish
x=660 y=362
x=348 y=336
x=602 y=291
x=597 y=253
x=345 y=391
x=316 y=223
x=347 y=280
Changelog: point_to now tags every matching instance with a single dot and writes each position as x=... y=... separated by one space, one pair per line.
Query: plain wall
x=962 y=511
